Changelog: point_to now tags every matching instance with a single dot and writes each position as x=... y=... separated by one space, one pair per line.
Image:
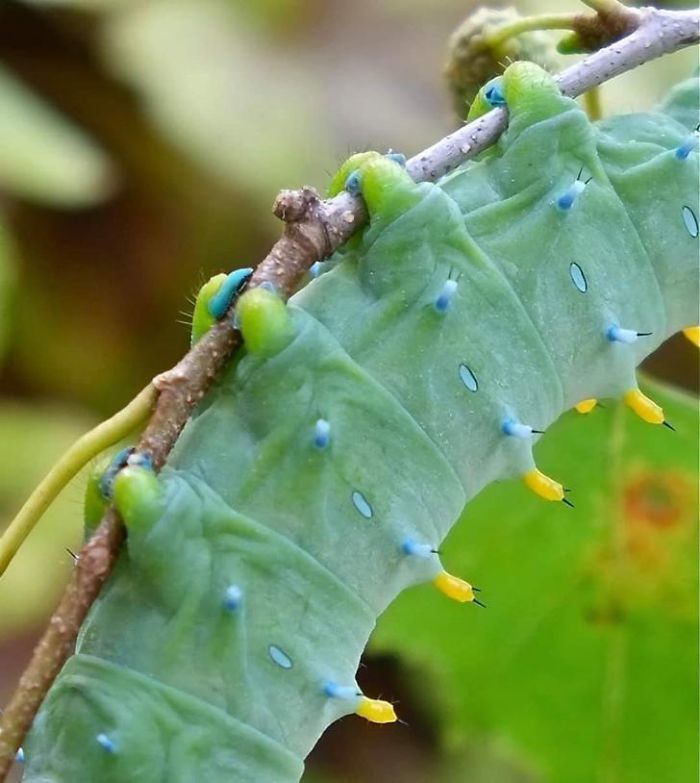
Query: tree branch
x=313 y=230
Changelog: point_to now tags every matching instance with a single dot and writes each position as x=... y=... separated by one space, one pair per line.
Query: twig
x=593 y=104
x=530 y=23
x=313 y=230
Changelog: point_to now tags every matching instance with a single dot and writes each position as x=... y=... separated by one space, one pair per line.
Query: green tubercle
x=138 y=496
x=264 y=322
x=531 y=93
x=481 y=105
x=353 y=163
x=95 y=502
x=387 y=188
x=528 y=91
x=202 y=319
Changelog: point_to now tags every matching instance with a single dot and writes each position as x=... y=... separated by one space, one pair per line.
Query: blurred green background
x=141 y=145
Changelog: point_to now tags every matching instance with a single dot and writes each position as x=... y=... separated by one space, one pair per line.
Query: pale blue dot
x=578 y=278
x=468 y=378
x=361 y=504
x=322 y=434
x=19 y=756
x=280 y=657
x=106 y=743
x=233 y=597
x=690 y=221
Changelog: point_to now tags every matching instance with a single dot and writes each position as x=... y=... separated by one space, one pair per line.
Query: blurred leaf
x=90 y=5
x=43 y=157
x=221 y=91
x=7 y=280
x=584 y=666
x=37 y=436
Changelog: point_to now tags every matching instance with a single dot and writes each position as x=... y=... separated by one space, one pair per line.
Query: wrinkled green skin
x=186 y=688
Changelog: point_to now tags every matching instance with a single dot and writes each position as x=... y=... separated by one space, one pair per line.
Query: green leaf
x=45 y=158
x=584 y=665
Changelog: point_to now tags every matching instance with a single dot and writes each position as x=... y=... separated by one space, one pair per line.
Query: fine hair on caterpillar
x=320 y=475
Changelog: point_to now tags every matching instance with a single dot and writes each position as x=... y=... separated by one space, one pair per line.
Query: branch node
x=295 y=206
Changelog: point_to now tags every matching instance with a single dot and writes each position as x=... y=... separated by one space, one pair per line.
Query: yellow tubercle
x=376 y=711
x=586 y=406
x=645 y=408
x=544 y=486
x=693 y=334
x=454 y=587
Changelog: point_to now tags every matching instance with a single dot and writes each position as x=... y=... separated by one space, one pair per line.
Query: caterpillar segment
x=320 y=476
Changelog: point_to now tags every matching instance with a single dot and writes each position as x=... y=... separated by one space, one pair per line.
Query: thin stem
x=313 y=230
x=69 y=465
x=529 y=23
x=606 y=6
x=592 y=103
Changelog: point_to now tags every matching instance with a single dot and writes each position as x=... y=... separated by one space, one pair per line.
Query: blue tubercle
x=140 y=459
x=335 y=691
x=568 y=198
x=397 y=157
x=322 y=434
x=690 y=144
x=19 y=756
x=353 y=184
x=442 y=303
x=493 y=93
x=316 y=269
x=106 y=743
x=233 y=598
x=119 y=461
x=516 y=429
x=412 y=548
x=616 y=334
x=221 y=301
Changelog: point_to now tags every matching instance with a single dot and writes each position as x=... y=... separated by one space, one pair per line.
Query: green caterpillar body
x=318 y=477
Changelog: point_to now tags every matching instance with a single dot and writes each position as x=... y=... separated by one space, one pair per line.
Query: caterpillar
x=319 y=476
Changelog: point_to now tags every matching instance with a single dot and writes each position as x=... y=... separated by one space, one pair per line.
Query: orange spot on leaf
x=657 y=499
